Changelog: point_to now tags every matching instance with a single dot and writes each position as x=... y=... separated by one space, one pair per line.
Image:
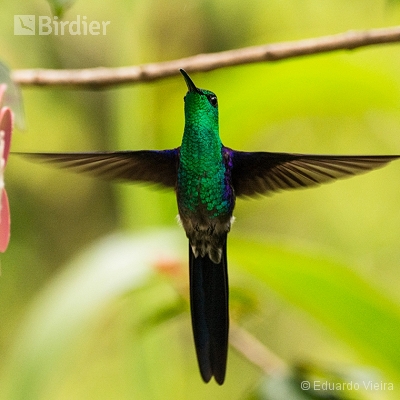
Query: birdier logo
x=26 y=25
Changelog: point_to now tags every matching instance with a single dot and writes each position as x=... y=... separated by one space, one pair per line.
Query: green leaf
x=352 y=308
x=113 y=267
x=60 y=6
x=162 y=315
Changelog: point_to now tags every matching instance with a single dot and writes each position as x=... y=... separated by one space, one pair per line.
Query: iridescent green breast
x=201 y=176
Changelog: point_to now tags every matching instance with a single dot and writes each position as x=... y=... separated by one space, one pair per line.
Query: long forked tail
x=210 y=314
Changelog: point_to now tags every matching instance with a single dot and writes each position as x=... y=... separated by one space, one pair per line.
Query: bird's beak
x=191 y=86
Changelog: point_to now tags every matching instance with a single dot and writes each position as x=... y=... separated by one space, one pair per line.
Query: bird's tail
x=210 y=314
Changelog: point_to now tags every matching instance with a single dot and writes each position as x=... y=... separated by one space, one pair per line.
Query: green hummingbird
x=207 y=177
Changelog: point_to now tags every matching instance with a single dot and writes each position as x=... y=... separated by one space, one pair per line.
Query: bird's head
x=201 y=105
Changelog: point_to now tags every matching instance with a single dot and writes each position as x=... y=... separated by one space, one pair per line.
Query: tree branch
x=100 y=77
x=256 y=352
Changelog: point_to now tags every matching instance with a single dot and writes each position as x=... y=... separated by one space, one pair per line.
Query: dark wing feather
x=262 y=172
x=138 y=166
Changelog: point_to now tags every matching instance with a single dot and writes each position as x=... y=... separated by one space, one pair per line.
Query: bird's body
x=204 y=186
x=207 y=177
x=205 y=202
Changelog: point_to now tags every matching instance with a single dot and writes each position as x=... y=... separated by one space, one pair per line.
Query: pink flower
x=6 y=124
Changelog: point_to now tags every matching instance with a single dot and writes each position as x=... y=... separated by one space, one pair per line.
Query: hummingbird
x=207 y=177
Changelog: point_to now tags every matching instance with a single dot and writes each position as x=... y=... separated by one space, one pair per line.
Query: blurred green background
x=94 y=291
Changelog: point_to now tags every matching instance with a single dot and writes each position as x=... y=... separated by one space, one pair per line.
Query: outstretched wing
x=138 y=166
x=262 y=172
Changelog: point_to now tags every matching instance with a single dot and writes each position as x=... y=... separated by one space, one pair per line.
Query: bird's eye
x=213 y=100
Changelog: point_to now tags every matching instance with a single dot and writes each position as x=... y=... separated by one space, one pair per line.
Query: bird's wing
x=262 y=172
x=151 y=166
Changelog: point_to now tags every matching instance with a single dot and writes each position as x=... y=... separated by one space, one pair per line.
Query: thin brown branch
x=97 y=77
x=256 y=352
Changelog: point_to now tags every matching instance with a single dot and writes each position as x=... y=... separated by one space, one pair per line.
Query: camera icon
x=24 y=24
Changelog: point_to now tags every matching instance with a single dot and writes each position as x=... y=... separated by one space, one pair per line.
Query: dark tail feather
x=210 y=314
